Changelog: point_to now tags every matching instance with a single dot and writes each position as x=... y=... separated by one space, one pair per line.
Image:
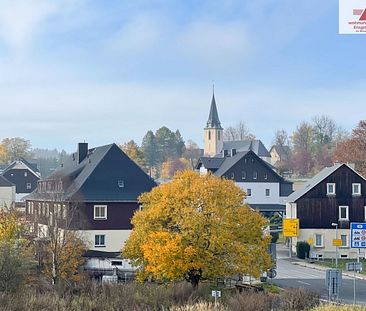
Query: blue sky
x=108 y=71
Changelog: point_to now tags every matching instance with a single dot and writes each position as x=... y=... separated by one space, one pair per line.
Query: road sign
x=354 y=266
x=216 y=293
x=337 y=242
x=358 y=235
x=333 y=281
x=291 y=227
x=271 y=273
x=311 y=241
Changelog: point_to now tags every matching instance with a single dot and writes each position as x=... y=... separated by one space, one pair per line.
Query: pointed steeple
x=213 y=118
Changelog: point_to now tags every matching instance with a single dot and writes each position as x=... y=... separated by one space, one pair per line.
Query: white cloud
x=215 y=43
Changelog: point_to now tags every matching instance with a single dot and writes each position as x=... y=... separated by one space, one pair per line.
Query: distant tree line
x=163 y=153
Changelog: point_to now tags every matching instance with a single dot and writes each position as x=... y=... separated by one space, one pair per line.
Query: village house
x=95 y=193
x=325 y=207
x=7 y=193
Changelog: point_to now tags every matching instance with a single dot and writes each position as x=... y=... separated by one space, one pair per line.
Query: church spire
x=213 y=118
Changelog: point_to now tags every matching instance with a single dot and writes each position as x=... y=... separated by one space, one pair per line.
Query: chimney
x=82 y=151
x=233 y=152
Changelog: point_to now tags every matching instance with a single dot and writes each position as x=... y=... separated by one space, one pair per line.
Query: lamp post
x=336 y=236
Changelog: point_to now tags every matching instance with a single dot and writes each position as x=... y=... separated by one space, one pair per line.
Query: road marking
x=304 y=283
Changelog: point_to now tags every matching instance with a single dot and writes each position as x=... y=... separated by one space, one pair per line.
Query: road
x=290 y=275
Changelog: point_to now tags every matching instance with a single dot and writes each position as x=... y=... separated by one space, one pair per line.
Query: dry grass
x=200 y=306
x=339 y=308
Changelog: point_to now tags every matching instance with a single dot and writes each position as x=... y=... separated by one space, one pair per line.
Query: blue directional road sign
x=358 y=235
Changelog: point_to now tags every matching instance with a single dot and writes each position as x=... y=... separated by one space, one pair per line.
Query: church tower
x=213 y=132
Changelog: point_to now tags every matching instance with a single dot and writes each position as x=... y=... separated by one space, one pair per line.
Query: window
x=267 y=192
x=232 y=175
x=331 y=188
x=249 y=192
x=121 y=183
x=64 y=211
x=25 y=174
x=343 y=213
x=218 y=135
x=243 y=175
x=344 y=240
x=265 y=176
x=29 y=185
x=255 y=175
x=116 y=263
x=100 y=211
x=356 y=189
x=99 y=240
x=318 y=240
x=209 y=135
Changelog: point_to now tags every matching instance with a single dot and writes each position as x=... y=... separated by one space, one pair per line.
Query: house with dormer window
x=325 y=207
x=95 y=192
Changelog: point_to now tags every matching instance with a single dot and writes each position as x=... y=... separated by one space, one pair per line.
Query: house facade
x=325 y=207
x=95 y=193
x=265 y=190
x=7 y=193
x=24 y=176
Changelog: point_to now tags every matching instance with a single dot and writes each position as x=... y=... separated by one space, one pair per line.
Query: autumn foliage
x=197 y=227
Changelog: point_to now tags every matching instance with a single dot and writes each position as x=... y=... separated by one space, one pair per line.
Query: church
x=247 y=163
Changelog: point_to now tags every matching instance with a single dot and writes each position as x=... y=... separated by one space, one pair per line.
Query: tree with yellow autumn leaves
x=197 y=227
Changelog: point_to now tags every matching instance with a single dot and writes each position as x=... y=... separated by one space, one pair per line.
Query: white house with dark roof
x=266 y=190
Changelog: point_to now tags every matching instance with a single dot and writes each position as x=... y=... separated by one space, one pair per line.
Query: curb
x=321 y=268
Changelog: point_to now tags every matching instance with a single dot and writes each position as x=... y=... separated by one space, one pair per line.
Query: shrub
x=302 y=249
x=299 y=299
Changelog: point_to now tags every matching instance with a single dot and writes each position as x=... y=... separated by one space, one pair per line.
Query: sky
x=109 y=71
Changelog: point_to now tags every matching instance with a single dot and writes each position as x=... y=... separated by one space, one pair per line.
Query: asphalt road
x=290 y=275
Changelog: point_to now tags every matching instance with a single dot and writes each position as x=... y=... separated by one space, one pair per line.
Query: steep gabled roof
x=23 y=164
x=282 y=151
x=4 y=182
x=246 y=145
x=105 y=174
x=229 y=162
x=213 y=117
x=318 y=178
x=210 y=163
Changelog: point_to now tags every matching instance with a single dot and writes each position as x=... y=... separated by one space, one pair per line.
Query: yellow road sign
x=337 y=242
x=291 y=227
x=311 y=241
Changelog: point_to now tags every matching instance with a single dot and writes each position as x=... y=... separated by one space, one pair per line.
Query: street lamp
x=336 y=236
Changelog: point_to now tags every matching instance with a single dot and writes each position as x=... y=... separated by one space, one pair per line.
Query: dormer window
x=331 y=190
x=121 y=183
x=356 y=189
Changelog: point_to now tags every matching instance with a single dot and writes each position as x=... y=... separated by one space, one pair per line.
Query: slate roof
x=4 y=182
x=24 y=165
x=246 y=145
x=282 y=151
x=324 y=173
x=269 y=207
x=210 y=163
x=229 y=162
x=95 y=178
x=213 y=117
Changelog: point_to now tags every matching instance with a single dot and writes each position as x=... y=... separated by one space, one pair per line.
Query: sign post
x=355 y=267
x=216 y=294
x=333 y=280
x=290 y=230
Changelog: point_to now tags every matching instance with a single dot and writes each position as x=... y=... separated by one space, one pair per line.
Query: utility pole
x=336 y=236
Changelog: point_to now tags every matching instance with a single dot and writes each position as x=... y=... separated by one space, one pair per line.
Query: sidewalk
x=282 y=251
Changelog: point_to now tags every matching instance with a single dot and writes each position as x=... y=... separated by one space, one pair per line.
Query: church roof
x=246 y=145
x=213 y=118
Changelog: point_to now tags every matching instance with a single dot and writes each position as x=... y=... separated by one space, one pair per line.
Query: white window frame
x=334 y=189
x=353 y=188
x=255 y=174
x=28 y=185
x=99 y=245
x=345 y=245
x=347 y=212
x=244 y=175
x=249 y=194
x=315 y=240
x=269 y=192
x=104 y=217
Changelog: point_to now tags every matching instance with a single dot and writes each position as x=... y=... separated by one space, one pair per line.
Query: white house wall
x=259 y=192
x=114 y=239
x=7 y=196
